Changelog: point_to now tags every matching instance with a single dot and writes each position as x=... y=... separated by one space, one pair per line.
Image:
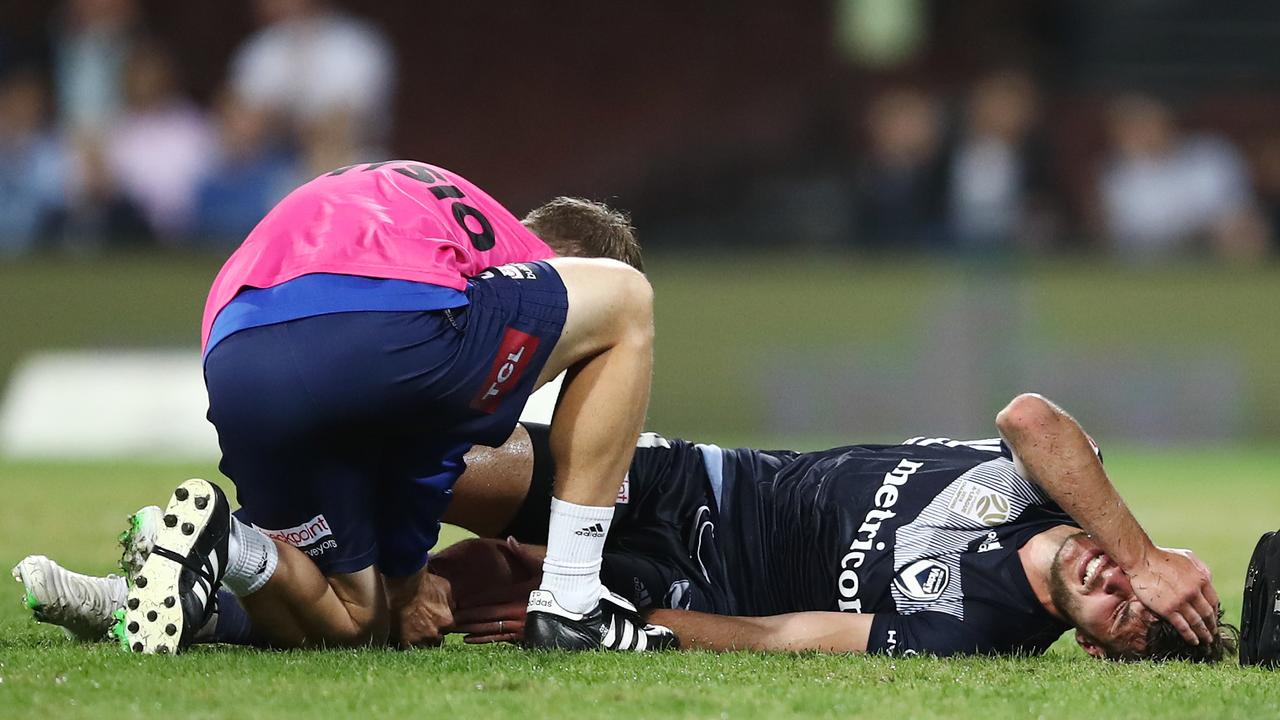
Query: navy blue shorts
x=344 y=433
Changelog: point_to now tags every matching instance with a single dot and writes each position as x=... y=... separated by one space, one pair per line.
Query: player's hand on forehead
x=1178 y=586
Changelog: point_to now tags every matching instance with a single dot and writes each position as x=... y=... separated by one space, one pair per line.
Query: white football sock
x=575 y=544
x=251 y=559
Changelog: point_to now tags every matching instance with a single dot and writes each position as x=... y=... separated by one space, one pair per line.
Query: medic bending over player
x=376 y=324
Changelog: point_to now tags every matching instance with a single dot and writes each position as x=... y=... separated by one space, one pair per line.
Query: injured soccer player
x=931 y=546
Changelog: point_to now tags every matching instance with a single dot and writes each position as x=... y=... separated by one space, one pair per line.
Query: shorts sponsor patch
x=515 y=271
x=313 y=537
x=624 y=492
x=515 y=353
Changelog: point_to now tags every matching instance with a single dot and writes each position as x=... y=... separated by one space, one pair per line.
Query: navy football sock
x=231 y=625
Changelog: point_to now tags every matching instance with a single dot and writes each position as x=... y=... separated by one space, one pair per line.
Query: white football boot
x=172 y=595
x=83 y=605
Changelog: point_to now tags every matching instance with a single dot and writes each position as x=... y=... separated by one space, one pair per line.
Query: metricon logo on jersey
x=865 y=539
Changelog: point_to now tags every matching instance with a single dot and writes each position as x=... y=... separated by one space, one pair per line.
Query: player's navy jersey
x=924 y=534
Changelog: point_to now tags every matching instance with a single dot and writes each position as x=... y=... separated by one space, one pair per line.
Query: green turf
x=1214 y=501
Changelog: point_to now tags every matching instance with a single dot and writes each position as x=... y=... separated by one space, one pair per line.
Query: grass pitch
x=1216 y=502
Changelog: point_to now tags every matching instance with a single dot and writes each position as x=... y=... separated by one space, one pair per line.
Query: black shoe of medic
x=614 y=624
x=173 y=594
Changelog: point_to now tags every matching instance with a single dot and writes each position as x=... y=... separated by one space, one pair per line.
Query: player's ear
x=1090 y=646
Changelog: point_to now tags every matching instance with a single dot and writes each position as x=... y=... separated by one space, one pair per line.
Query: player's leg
x=299 y=473
x=607 y=348
x=301 y=607
x=229 y=623
x=661 y=549
x=290 y=601
x=494 y=488
x=372 y=471
x=83 y=605
x=313 y=506
x=86 y=606
x=506 y=491
x=526 y=323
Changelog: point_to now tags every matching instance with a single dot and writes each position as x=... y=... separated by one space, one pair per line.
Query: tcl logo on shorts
x=301 y=536
x=514 y=355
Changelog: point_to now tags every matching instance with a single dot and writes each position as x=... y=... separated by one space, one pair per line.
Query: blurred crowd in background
x=103 y=145
x=872 y=124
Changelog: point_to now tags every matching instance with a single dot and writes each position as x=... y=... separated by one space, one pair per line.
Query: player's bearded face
x=1091 y=590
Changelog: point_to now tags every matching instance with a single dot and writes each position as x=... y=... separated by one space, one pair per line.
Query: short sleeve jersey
x=924 y=534
x=397 y=220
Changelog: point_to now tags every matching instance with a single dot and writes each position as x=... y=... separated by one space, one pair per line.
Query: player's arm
x=1053 y=451
x=821 y=631
x=933 y=633
x=490 y=581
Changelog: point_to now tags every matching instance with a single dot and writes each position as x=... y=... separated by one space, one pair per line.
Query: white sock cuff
x=253 y=560
x=572 y=568
x=580 y=512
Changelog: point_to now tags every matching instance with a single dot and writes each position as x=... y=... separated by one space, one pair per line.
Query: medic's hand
x=1176 y=585
x=421 y=609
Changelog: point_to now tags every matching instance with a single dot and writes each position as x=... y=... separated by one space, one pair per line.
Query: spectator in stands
x=1164 y=191
x=96 y=215
x=999 y=196
x=900 y=186
x=32 y=166
x=252 y=172
x=161 y=147
x=1266 y=162
x=328 y=77
x=92 y=40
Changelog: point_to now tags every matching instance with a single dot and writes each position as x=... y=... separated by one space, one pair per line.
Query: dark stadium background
x=737 y=133
x=864 y=220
